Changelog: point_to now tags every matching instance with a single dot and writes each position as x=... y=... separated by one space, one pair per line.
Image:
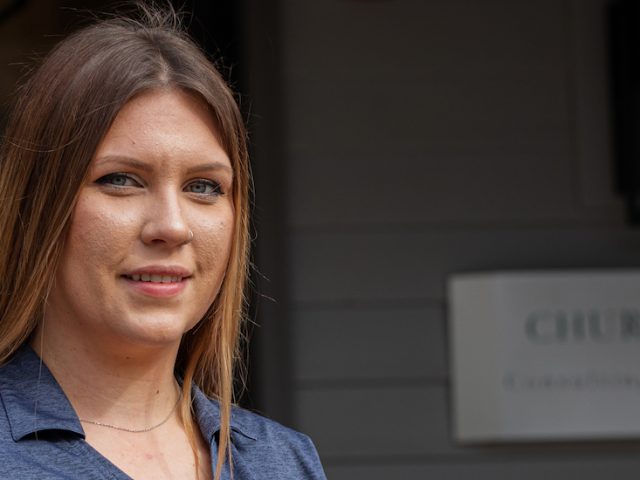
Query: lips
x=145 y=277
x=158 y=281
x=158 y=274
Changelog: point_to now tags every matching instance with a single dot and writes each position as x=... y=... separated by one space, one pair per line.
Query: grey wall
x=423 y=138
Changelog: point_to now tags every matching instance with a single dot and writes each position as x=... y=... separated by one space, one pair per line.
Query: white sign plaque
x=545 y=355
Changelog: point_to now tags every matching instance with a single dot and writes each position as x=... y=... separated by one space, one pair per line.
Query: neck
x=128 y=386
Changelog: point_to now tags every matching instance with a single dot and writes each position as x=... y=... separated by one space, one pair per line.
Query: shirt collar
x=207 y=413
x=34 y=402
x=32 y=398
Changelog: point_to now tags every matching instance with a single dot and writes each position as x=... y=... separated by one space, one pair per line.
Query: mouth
x=145 y=277
x=158 y=280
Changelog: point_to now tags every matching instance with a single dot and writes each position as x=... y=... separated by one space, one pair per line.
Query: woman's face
x=151 y=232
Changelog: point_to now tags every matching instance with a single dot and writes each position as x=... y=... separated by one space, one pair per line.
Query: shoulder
x=257 y=426
x=275 y=446
x=260 y=448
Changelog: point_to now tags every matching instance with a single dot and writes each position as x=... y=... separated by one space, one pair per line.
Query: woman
x=123 y=252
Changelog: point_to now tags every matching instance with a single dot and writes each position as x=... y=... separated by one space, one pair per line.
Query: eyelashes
x=203 y=187
x=120 y=182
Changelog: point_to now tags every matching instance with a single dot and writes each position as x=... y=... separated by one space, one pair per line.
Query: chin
x=157 y=331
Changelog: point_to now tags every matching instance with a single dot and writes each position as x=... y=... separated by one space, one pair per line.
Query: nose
x=165 y=222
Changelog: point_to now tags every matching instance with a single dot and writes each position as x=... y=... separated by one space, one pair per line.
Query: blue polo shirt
x=41 y=437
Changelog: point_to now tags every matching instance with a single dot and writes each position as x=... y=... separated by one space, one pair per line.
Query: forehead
x=164 y=125
x=156 y=99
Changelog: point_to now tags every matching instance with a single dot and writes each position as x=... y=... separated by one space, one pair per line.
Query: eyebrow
x=135 y=163
x=211 y=166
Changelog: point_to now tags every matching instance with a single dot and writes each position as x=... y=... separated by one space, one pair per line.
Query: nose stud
x=190 y=236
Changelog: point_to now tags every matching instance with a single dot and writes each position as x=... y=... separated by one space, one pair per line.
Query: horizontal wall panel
x=414 y=32
x=369 y=343
x=379 y=133
x=505 y=118
x=584 y=469
x=395 y=189
x=333 y=267
x=375 y=421
x=405 y=425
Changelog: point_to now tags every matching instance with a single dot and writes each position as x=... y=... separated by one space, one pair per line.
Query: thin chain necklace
x=142 y=430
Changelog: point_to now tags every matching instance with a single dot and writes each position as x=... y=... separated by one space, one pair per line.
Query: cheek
x=98 y=236
x=214 y=249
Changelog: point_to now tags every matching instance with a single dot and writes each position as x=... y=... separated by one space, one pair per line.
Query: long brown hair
x=60 y=116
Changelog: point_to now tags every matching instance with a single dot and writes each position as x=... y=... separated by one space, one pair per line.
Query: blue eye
x=204 y=187
x=118 y=180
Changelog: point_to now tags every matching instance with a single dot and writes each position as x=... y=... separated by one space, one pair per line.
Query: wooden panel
x=341 y=344
x=584 y=469
x=416 y=115
x=410 y=103
x=445 y=52
x=394 y=267
x=411 y=425
x=365 y=188
x=374 y=421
